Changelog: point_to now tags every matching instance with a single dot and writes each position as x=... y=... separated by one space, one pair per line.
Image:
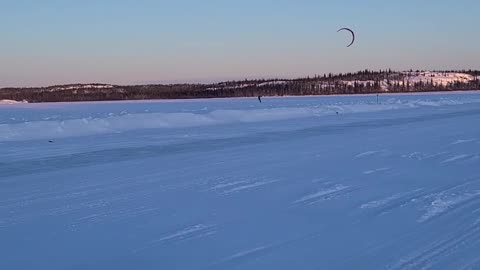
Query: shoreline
x=452 y=92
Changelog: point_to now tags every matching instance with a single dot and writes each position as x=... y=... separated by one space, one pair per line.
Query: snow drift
x=10 y=102
x=128 y=122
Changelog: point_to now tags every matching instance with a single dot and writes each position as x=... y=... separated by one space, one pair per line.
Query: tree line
x=362 y=82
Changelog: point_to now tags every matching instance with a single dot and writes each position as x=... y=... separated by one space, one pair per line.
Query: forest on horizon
x=362 y=82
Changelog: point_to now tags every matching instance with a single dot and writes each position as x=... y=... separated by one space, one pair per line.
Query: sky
x=52 y=42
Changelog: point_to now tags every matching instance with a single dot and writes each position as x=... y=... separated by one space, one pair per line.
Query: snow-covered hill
x=412 y=78
x=438 y=78
x=81 y=87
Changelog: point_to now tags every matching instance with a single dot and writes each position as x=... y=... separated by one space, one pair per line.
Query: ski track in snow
x=244 y=187
x=228 y=186
x=400 y=199
x=376 y=170
x=324 y=195
x=463 y=141
x=186 y=234
x=368 y=153
x=456 y=158
x=97 y=198
x=193 y=232
x=371 y=153
x=423 y=156
x=392 y=203
x=429 y=256
x=242 y=256
x=472 y=265
x=447 y=202
x=450 y=199
x=433 y=204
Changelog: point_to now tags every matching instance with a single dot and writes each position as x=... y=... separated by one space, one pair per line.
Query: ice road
x=290 y=183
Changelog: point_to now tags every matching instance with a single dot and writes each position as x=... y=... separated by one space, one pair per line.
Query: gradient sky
x=45 y=42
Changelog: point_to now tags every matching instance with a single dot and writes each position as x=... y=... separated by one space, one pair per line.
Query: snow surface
x=438 y=78
x=81 y=86
x=10 y=102
x=427 y=77
x=238 y=184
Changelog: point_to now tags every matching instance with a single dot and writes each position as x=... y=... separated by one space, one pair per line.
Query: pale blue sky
x=46 y=42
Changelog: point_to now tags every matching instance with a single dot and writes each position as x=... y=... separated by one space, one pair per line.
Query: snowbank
x=11 y=102
x=123 y=123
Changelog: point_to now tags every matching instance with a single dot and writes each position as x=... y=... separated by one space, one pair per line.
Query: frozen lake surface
x=290 y=183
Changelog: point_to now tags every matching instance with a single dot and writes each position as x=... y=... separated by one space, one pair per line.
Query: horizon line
x=248 y=78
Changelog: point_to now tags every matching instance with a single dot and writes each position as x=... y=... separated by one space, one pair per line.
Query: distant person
x=260 y=99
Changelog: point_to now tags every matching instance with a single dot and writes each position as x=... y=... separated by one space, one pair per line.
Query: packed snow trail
x=388 y=186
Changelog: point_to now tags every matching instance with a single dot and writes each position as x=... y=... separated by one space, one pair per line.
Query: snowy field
x=238 y=184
